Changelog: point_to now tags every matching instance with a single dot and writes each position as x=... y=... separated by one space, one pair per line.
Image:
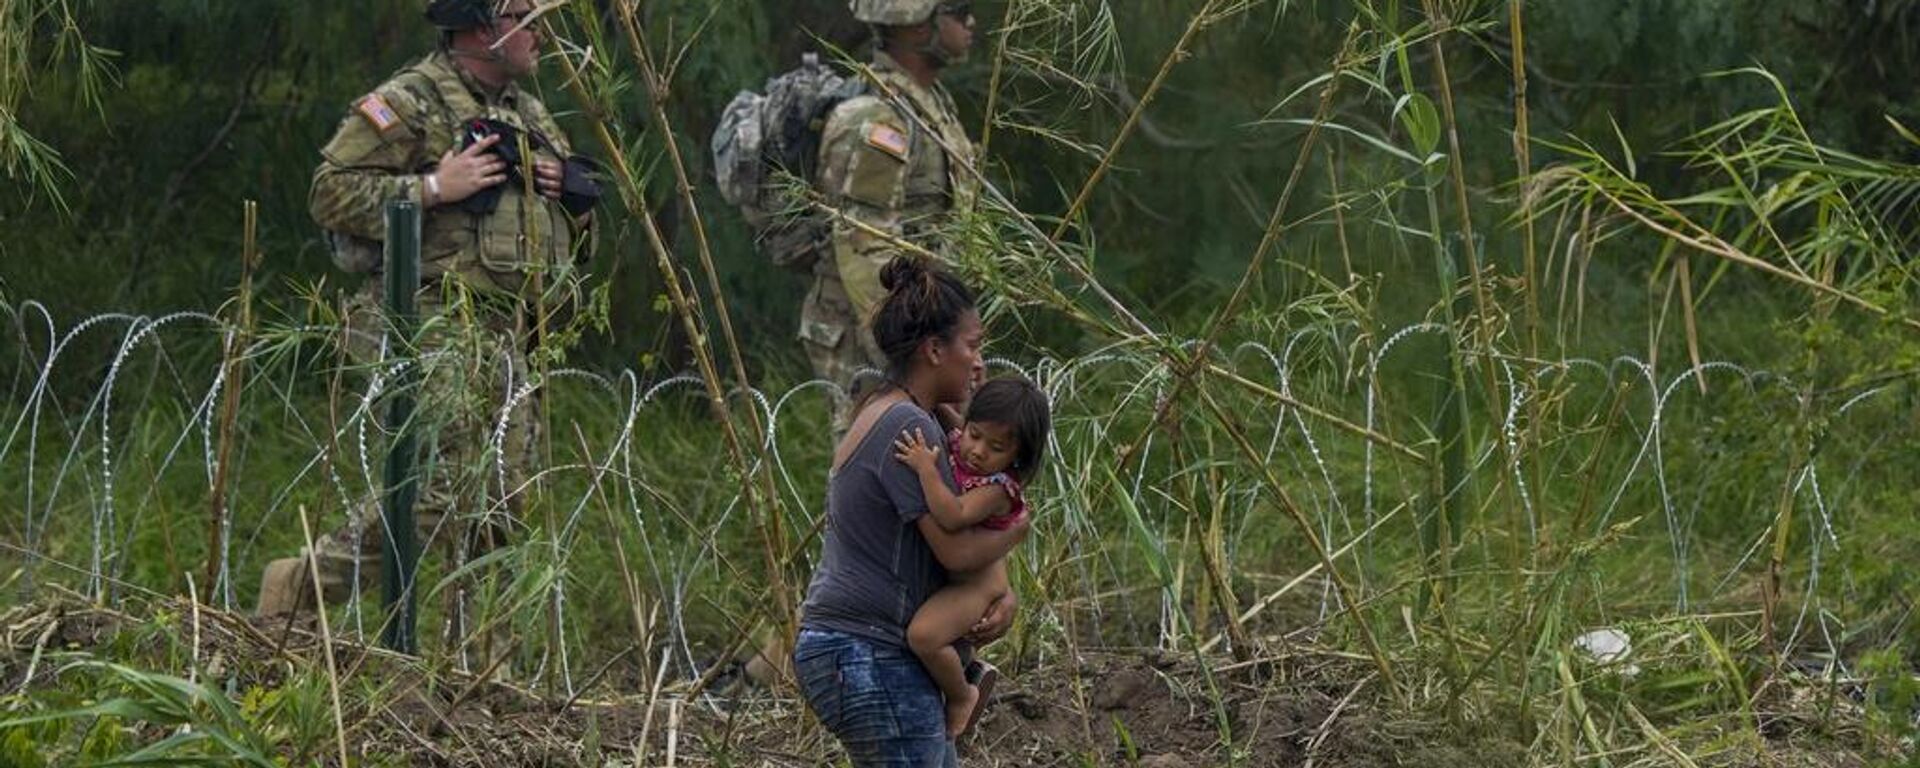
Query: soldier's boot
x=285 y=588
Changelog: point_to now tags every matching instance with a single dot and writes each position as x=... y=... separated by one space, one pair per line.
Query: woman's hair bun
x=901 y=272
x=923 y=301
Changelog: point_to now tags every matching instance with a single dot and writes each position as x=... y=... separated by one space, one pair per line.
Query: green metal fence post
x=400 y=550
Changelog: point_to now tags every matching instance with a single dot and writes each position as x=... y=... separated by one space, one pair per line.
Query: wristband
x=433 y=191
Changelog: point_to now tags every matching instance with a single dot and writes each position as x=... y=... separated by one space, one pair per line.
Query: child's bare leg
x=944 y=618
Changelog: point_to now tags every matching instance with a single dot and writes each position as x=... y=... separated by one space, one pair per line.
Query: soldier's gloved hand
x=464 y=172
x=547 y=175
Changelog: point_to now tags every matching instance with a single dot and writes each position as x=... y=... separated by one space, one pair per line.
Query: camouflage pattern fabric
x=893 y=12
x=763 y=137
x=881 y=169
x=470 y=491
x=393 y=135
x=482 y=275
x=837 y=344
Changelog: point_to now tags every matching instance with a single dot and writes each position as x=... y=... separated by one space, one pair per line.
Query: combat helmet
x=456 y=15
x=894 y=13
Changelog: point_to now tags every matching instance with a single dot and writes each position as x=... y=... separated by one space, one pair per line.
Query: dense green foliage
x=219 y=101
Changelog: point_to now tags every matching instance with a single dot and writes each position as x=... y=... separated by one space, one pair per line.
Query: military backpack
x=767 y=147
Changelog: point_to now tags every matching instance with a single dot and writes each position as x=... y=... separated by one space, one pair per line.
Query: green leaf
x=1422 y=122
x=1435 y=168
x=1126 y=741
x=471 y=567
x=1626 y=150
x=1904 y=132
x=1375 y=141
x=1142 y=535
x=126 y=709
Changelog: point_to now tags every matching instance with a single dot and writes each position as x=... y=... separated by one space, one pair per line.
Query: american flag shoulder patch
x=888 y=139
x=376 y=111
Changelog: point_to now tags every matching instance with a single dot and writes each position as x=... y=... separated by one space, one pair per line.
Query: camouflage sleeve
x=375 y=156
x=863 y=171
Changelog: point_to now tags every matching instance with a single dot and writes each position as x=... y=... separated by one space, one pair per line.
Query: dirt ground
x=1110 y=707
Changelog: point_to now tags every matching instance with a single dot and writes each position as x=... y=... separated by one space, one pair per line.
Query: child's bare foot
x=959 y=710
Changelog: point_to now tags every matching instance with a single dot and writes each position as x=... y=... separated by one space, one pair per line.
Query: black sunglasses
x=956 y=10
x=514 y=16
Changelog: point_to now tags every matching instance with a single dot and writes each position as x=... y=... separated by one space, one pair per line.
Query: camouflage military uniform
x=882 y=168
x=483 y=275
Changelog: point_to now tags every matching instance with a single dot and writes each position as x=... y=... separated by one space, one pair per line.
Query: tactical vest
x=936 y=187
x=526 y=234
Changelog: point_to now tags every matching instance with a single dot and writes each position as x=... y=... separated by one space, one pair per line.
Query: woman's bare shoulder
x=864 y=422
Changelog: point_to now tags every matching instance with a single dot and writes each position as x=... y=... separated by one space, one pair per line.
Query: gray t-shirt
x=875 y=567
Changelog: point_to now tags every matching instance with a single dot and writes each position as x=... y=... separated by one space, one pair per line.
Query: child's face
x=987 y=447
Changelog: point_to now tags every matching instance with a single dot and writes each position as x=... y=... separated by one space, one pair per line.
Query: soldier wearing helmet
x=896 y=161
x=504 y=216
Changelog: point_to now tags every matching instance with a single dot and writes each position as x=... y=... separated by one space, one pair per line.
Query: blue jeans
x=876 y=698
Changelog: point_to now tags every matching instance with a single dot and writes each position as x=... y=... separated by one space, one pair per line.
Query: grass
x=1633 y=525
x=1503 y=421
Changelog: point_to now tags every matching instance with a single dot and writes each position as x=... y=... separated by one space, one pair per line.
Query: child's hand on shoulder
x=914 y=451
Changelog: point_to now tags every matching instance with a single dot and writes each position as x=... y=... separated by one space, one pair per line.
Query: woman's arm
x=974 y=548
x=953 y=512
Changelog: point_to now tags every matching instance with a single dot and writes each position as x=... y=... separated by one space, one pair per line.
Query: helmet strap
x=486 y=53
x=931 y=48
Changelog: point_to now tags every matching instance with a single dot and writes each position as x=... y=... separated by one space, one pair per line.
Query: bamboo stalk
x=1482 y=301
x=238 y=337
x=1179 y=53
x=628 y=582
x=640 y=748
x=326 y=639
x=1339 y=213
x=1263 y=603
x=1456 y=438
x=1482 y=298
x=1350 y=602
x=678 y=295
x=1213 y=555
x=773 y=530
x=1523 y=160
x=1772 y=586
x=1712 y=245
x=1268 y=239
x=1134 y=329
x=1529 y=266
x=1577 y=704
x=193 y=655
x=994 y=80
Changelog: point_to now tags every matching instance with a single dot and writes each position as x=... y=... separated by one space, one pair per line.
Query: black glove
x=507 y=149
x=579 y=186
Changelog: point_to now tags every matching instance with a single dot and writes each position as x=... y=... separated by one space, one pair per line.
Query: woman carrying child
x=995 y=449
x=883 y=554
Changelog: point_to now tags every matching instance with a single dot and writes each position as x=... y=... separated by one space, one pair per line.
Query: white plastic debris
x=1605 y=645
x=1608 y=647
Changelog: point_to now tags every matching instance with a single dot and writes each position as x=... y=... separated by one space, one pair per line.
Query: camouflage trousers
x=838 y=344
x=471 y=468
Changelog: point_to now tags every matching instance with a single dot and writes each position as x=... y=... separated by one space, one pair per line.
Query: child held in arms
x=995 y=449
